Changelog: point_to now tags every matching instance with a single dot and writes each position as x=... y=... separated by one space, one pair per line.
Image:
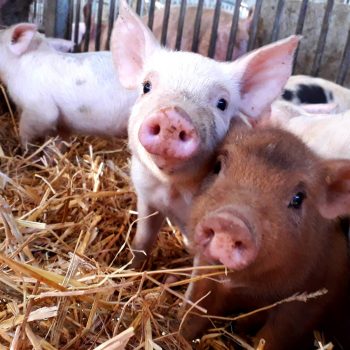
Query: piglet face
x=186 y=100
x=265 y=204
x=178 y=121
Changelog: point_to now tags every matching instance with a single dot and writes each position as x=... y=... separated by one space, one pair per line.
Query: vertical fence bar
x=233 y=30
x=76 y=21
x=254 y=26
x=197 y=26
x=88 y=21
x=35 y=10
x=165 y=22
x=277 y=22
x=152 y=6
x=322 y=39
x=138 y=7
x=214 y=29
x=180 y=25
x=70 y=19
x=345 y=62
x=299 y=28
x=99 y=25
x=111 y=18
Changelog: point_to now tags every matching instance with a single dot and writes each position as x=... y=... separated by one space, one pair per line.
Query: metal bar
x=299 y=28
x=99 y=25
x=214 y=29
x=111 y=18
x=233 y=31
x=87 y=19
x=152 y=6
x=165 y=22
x=70 y=20
x=254 y=26
x=76 y=21
x=50 y=17
x=197 y=26
x=180 y=25
x=322 y=39
x=35 y=10
x=61 y=20
x=138 y=7
x=345 y=62
x=277 y=22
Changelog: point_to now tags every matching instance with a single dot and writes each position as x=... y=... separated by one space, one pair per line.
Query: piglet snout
x=169 y=133
x=225 y=238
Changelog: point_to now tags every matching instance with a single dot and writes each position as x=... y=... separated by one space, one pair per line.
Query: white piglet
x=185 y=109
x=61 y=92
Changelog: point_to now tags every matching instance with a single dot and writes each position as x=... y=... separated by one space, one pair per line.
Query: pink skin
x=225 y=237
x=169 y=134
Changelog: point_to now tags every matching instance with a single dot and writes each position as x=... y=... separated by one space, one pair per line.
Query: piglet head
x=187 y=101
x=270 y=205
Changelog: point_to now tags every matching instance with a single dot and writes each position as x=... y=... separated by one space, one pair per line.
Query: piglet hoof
x=171 y=279
x=138 y=260
x=193 y=326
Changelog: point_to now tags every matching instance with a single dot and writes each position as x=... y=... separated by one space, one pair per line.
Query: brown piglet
x=269 y=212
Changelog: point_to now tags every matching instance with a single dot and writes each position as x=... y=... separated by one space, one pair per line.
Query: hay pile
x=66 y=223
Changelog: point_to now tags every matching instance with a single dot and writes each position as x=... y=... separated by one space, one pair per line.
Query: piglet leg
x=148 y=226
x=290 y=322
x=214 y=292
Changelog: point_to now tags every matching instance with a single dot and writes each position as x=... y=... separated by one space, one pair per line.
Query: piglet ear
x=263 y=73
x=131 y=44
x=21 y=36
x=336 y=201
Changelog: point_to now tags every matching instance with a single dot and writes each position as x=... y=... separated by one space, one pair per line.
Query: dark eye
x=217 y=167
x=147 y=86
x=297 y=200
x=222 y=104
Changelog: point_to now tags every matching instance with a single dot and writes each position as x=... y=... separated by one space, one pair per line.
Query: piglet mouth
x=223 y=237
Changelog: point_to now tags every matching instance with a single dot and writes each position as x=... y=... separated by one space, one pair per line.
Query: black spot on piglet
x=287 y=95
x=311 y=94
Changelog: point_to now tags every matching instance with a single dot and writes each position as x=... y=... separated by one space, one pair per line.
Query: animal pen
x=67 y=217
x=325 y=26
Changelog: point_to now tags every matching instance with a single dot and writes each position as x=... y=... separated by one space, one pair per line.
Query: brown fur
x=300 y=250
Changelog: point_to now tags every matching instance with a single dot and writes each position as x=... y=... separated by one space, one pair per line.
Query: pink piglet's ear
x=21 y=36
x=262 y=75
x=131 y=44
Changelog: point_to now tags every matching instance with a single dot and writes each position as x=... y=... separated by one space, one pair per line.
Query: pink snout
x=169 y=133
x=224 y=237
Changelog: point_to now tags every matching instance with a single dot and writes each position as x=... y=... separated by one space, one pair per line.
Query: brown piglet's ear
x=336 y=200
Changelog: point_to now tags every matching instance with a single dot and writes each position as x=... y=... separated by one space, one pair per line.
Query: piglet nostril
x=238 y=245
x=208 y=234
x=154 y=129
x=183 y=136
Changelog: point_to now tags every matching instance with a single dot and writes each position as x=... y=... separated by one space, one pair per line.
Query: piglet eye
x=222 y=104
x=147 y=87
x=217 y=167
x=297 y=200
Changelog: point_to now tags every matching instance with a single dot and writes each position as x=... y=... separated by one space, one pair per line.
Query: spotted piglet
x=269 y=211
x=59 y=92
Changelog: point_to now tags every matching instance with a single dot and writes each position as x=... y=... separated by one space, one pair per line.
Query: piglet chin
x=168 y=165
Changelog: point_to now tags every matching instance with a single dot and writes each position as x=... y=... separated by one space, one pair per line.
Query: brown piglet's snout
x=226 y=237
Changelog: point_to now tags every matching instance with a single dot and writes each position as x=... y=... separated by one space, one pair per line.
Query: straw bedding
x=67 y=218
